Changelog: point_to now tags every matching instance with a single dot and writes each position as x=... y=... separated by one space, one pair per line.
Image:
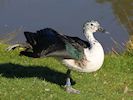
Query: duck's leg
x=68 y=86
x=23 y=45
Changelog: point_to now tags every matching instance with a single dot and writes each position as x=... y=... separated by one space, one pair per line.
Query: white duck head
x=92 y=27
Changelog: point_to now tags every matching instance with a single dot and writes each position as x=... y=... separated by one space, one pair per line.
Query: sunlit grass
x=23 y=78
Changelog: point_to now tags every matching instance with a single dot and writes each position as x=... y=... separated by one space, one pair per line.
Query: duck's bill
x=100 y=29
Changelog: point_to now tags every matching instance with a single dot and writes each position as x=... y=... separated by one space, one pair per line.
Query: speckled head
x=92 y=26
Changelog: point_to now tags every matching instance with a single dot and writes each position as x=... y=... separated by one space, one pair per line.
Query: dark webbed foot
x=69 y=89
x=68 y=86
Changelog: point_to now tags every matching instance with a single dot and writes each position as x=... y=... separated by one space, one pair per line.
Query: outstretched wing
x=48 y=42
x=75 y=46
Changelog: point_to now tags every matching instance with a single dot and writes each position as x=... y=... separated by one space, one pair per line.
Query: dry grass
x=129 y=45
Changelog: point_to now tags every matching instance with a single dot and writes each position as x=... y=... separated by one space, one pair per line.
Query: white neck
x=89 y=35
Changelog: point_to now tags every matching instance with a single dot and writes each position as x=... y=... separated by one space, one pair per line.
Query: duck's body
x=93 y=54
x=92 y=61
x=75 y=53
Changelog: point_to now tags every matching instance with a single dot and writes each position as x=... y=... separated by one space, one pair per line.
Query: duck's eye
x=91 y=24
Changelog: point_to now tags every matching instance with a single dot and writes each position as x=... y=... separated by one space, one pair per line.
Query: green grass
x=23 y=78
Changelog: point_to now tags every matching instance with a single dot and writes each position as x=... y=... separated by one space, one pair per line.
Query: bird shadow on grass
x=10 y=70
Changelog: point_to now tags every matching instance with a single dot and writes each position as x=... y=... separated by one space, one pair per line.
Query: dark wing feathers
x=79 y=41
x=31 y=37
x=48 y=42
x=74 y=46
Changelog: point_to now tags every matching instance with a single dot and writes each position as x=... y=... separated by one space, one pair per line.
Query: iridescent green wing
x=74 y=50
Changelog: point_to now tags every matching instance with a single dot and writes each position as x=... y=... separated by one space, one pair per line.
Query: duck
x=75 y=53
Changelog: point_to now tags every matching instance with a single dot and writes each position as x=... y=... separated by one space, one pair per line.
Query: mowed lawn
x=23 y=78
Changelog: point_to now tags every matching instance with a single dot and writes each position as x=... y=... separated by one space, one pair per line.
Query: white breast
x=94 y=56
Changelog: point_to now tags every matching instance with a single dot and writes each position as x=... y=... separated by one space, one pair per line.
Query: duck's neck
x=89 y=35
